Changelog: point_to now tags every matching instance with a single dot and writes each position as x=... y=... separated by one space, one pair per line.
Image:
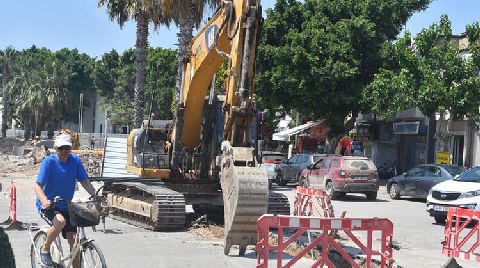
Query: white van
x=463 y=192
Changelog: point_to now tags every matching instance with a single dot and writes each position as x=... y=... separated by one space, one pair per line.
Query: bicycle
x=88 y=251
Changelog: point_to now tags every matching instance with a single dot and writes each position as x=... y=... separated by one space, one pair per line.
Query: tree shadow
x=360 y=198
x=414 y=199
x=113 y=231
x=286 y=188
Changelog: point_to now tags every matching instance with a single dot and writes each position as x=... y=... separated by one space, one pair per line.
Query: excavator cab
x=150 y=147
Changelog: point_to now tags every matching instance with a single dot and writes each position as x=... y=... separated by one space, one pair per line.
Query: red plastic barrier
x=312 y=202
x=302 y=224
x=462 y=234
x=12 y=219
x=13 y=202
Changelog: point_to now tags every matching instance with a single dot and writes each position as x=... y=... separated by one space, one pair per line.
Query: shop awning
x=285 y=135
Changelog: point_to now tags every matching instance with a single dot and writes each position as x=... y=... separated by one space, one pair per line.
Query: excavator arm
x=231 y=33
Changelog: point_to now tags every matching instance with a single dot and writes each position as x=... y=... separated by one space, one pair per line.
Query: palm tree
x=40 y=95
x=6 y=61
x=186 y=14
x=140 y=11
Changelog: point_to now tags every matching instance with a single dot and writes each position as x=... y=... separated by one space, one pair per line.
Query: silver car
x=290 y=170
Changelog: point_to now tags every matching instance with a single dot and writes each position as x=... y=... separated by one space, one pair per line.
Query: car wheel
x=440 y=219
x=394 y=191
x=279 y=180
x=371 y=196
x=331 y=191
x=304 y=182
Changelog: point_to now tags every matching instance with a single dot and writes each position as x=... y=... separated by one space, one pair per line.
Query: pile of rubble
x=92 y=163
x=12 y=164
x=29 y=163
x=6 y=145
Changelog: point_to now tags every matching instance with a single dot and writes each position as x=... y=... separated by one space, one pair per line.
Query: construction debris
x=92 y=163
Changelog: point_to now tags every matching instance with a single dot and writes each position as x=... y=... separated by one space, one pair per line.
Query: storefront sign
x=442 y=158
x=406 y=128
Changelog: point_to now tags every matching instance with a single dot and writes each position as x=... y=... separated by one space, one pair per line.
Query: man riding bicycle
x=57 y=176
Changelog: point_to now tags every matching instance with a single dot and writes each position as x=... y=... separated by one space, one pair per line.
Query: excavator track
x=245 y=197
x=149 y=205
x=278 y=204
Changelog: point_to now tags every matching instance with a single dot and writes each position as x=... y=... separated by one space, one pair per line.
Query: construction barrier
x=462 y=234
x=297 y=226
x=312 y=202
x=12 y=219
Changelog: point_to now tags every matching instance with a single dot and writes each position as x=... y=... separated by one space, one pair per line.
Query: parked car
x=463 y=191
x=417 y=181
x=269 y=161
x=339 y=175
x=291 y=169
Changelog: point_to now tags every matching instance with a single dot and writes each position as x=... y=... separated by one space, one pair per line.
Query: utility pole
x=80 y=114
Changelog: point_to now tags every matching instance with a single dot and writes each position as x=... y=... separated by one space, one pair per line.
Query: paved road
x=128 y=246
x=125 y=245
x=417 y=234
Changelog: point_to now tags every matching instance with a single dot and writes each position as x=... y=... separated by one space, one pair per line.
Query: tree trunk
x=141 y=50
x=470 y=145
x=27 y=126
x=184 y=38
x=5 y=96
x=432 y=128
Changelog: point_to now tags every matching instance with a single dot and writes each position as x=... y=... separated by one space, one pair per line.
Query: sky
x=80 y=24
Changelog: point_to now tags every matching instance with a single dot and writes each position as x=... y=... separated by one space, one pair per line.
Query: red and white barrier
x=312 y=202
x=462 y=234
x=12 y=219
x=301 y=224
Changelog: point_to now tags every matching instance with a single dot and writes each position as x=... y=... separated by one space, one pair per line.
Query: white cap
x=63 y=140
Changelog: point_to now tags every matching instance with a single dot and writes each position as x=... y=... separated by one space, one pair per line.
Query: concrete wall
x=100 y=117
x=476 y=150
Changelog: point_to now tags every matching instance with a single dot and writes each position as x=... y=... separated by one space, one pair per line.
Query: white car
x=463 y=192
x=269 y=161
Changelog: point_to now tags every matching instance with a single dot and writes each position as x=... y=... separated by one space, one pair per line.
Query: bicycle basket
x=84 y=214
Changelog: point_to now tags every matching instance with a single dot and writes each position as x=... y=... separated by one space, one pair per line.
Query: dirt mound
x=205 y=228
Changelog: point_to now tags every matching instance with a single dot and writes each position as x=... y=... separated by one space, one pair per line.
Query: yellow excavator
x=205 y=157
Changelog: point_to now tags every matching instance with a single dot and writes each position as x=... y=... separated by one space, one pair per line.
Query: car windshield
x=273 y=158
x=362 y=164
x=471 y=175
x=454 y=170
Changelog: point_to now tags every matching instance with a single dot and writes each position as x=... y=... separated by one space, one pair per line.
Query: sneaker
x=46 y=259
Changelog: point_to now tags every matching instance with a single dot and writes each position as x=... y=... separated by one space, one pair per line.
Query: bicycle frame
x=57 y=249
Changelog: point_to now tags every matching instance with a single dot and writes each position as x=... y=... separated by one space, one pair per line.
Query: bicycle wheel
x=37 y=243
x=92 y=256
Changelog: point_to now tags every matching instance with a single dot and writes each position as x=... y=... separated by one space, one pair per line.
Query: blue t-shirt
x=58 y=178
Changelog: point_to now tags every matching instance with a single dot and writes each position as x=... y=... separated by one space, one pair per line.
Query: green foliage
x=161 y=73
x=117 y=73
x=434 y=75
x=45 y=85
x=317 y=56
x=114 y=77
x=220 y=78
x=6 y=252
